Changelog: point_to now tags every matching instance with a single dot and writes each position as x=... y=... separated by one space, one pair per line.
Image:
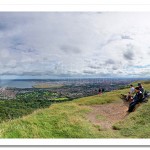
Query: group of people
x=135 y=96
x=100 y=91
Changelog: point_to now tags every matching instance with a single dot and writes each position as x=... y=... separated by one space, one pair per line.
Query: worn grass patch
x=137 y=125
x=100 y=117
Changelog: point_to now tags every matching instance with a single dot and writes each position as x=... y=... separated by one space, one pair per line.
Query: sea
x=17 y=83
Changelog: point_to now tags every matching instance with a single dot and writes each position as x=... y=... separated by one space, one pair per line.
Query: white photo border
x=75 y=6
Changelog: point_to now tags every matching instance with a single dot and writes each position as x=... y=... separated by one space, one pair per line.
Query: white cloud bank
x=75 y=44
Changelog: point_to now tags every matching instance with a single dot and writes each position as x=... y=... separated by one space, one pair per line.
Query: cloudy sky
x=73 y=44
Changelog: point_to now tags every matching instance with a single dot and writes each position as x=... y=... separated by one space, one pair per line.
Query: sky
x=74 y=44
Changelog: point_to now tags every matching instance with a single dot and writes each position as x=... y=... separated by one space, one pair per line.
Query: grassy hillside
x=137 y=125
x=69 y=120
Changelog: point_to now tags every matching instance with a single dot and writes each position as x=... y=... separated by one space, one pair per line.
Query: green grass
x=61 y=99
x=59 y=121
x=137 y=125
x=105 y=98
x=11 y=109
x=68 y=120
x=64 y=120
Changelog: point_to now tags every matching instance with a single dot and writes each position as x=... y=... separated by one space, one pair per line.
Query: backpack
x=146 y=95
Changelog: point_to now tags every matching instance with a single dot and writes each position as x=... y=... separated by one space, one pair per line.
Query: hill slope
x=83 y=118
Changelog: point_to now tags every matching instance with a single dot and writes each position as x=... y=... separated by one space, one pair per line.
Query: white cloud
x=57 y=44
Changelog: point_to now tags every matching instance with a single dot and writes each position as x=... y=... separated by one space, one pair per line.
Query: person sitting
x=132 y=89
x=129 y=97
x=130 y=94
x=136 y=99
x=141 y=87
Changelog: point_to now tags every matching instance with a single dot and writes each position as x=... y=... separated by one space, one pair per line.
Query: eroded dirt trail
x=107 y=114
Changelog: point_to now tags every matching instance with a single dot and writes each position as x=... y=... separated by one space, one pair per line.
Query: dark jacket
x=138 y=97
x=141 y=89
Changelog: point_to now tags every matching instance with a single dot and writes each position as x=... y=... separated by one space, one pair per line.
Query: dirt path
x=108 y=114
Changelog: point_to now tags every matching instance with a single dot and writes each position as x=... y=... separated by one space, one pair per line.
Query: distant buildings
x=73 y=88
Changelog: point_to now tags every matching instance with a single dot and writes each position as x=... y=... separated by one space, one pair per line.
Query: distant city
x=68 y=88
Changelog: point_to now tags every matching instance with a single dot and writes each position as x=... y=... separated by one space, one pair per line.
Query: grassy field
x=61 y=99
x=68 y=120
x=107 y=97
x=46 y=85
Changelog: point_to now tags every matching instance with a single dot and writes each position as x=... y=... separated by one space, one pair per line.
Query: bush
x=24 y=104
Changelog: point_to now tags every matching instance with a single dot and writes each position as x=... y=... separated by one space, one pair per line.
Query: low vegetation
x=17 y=108
x=26 y=103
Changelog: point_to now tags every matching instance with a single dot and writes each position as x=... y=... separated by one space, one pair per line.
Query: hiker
x=129 y=97
x=132 y=89
x=141 y=87
x=136 y=99
x=100 y=91
x=130 y=94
